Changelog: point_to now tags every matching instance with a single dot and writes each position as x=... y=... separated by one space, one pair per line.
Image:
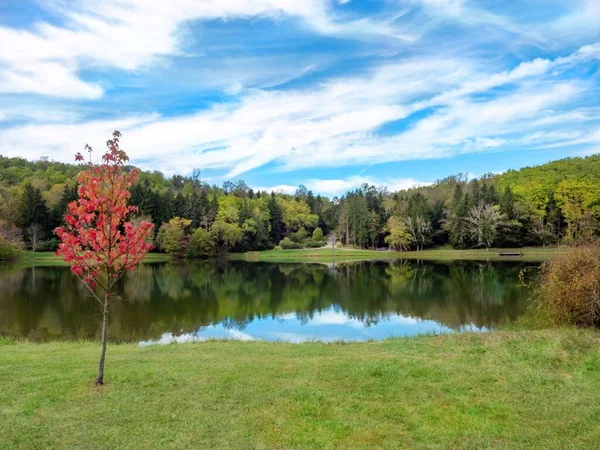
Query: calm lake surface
x=287 y=302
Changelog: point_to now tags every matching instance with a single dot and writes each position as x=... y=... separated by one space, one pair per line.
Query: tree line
x=544 y=205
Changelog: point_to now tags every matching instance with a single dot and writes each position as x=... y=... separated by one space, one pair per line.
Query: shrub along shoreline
x=529 y=389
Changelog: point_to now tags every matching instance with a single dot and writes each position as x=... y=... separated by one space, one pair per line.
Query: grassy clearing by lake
x=325 y=255
x=50 y=259
x=534 y=389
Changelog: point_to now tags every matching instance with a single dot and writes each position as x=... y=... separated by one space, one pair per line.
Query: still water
x=287 y=302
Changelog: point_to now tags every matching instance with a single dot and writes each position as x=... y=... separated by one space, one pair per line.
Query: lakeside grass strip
x=530 y=254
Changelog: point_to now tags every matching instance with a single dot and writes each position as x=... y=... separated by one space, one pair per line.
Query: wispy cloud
x=322 y=84
x=132 y=34
x=336 y=123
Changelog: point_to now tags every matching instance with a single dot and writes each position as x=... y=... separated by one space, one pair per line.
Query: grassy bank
x=534 y=254
x=327 y=255
x=50 y=259
x=534 y=389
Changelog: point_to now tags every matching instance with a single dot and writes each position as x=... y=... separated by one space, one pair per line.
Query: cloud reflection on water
x=326 y=326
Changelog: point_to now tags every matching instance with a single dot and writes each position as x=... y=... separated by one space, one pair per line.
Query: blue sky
x=328 y=93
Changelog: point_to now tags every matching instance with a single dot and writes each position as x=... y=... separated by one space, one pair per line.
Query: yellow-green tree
x=296 y=214
x=224 y=236
x=229 y=207
x=173 y=236
x=399 y=237
x=578 y=201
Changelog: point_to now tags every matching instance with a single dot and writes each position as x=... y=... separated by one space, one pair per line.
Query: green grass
x=50 y=259
x=534 y=390
x=534 y=254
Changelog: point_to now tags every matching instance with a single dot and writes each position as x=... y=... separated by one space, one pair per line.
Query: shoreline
x=321 y=255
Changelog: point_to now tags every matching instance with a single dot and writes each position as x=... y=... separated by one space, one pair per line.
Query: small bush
x=338 y=244
x=314 y=244
x=200 y=245
x=287 y=244
x=299 y=236
x=317 y=235
x=50 y=245
x=8 y=249
x=278 y=248
x=569 y=291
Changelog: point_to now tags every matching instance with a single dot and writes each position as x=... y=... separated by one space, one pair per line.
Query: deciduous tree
x=99 y=241
x=399 y=237
x=173 y=236
x=483 y=221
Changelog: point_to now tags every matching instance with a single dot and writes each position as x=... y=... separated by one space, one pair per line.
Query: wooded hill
x=547 y=204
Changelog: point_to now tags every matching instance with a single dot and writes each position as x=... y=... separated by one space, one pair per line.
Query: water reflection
x=291 y=302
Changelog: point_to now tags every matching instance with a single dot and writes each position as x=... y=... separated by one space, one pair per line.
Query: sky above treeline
x=327 y=93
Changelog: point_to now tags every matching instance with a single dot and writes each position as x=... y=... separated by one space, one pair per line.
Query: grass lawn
x=533 y=389
x=533 y=254
x=50 y=259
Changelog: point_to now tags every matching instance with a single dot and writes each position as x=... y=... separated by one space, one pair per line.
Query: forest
x=554 y=203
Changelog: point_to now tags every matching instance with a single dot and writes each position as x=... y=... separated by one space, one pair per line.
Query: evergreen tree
x=418 y=206
x=178 y=208
x=507 y=204
x=310 y=201
x=58 y=212
x=276 y=212
x=34 y=216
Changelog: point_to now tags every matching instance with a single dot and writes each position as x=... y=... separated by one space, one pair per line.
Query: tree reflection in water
x=48 y=303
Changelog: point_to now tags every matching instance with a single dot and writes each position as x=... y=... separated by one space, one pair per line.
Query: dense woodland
x=549 y=204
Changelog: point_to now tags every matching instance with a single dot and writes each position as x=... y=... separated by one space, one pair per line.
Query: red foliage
x=99 y=241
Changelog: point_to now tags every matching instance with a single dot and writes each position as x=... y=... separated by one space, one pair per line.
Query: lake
x=199 y=300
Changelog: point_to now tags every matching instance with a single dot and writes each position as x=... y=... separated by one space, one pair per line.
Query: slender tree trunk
x=347 y=231
x=100 y=378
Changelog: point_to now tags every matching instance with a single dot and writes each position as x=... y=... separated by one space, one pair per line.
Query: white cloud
x=402 y=319
x=260 y=128
x=339 y=186
x=131 y=34
x=581 y=20
x=331 y=187
x=332 y=317
x=38 y=113
x=336 y=122
x=169 y=338
x=452 y=7
x=279 y=189
x=240 y=336
x=46 y=78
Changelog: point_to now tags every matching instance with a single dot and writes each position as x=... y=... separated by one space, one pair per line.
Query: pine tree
x=69 y=194
x=276 y=212
x=34 y=216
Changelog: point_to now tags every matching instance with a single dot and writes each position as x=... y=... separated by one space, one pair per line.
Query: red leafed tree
x=99 y=241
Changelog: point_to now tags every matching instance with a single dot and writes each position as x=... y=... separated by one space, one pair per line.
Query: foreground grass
x=535 y=389
x=533 y=254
